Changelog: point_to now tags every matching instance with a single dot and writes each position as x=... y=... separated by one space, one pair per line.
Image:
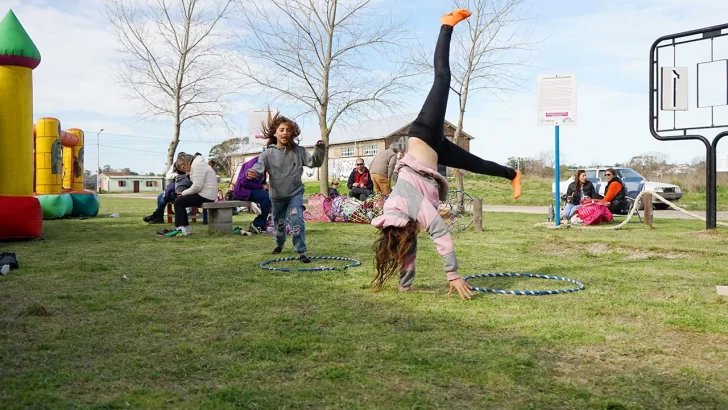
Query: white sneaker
x=255 y=208
x=186 y=230
x=5 y=269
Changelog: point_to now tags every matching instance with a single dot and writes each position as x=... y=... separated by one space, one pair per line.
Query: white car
x=634 y=182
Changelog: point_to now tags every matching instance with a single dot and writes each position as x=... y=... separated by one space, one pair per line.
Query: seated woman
x=204 y=189
x=615 y=194
x=578 y=190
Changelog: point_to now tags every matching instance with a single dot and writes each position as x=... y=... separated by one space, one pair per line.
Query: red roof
x=113 y=174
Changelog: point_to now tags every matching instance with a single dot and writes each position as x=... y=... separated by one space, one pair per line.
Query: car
x=634 y=182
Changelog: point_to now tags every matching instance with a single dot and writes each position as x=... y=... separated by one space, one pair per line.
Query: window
x=346 y=152
x=122 y=183
x=628 y=173
x=371 y=149
x=591 y=173
x=151 y=184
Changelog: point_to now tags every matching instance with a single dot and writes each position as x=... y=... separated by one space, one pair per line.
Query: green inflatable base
x=55 y=206
x=85 y=203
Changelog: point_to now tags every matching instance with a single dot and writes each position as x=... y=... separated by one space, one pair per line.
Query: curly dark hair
x=269 y=130
x=390 y=249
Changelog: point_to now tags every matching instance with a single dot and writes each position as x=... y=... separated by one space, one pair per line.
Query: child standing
x=284 y=160
x=419 y=188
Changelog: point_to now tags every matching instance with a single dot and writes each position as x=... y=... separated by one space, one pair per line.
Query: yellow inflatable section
x=76 y=169
x=48 y=153
x=16 y=127
x=21 y=215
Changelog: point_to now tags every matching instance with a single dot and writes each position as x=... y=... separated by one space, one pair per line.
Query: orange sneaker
x=453 y=18
x=516 y=185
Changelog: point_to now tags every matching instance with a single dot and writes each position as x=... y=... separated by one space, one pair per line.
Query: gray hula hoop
x=354 y=263
x=579 y=285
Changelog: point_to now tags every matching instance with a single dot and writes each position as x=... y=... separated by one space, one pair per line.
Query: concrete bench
x=220 y=215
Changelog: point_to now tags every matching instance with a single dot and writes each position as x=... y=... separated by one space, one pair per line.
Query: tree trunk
x=459 y=182
x=324 y=170
x=173 y=145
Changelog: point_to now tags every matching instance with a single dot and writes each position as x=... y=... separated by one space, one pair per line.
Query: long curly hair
x=390 y=249
x=269 y=130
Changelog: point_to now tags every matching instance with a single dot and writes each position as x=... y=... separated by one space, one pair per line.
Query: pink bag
x=594 y=214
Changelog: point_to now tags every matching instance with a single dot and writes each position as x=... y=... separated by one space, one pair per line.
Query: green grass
x=199 y=325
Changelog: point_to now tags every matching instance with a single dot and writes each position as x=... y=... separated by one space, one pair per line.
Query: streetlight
x=98 y=163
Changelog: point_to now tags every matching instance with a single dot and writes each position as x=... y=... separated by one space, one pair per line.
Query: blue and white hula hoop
x=354 y=263
x=580 y=286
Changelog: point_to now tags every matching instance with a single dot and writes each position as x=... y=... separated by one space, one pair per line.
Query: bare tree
x=330 y=58
x=488 y=55
x=172 y=58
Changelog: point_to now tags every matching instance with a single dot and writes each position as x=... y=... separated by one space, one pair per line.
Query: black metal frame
x=708 y=33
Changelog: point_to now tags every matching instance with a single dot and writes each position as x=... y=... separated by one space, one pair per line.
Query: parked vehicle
x=634 y=182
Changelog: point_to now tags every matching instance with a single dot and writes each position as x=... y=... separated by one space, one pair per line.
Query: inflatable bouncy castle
x=59 y=171
x=20 y=212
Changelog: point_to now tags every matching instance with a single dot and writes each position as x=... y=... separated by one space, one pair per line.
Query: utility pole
x=98 y=162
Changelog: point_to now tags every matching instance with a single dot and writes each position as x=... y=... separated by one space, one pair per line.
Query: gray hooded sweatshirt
x=285 y=168
x=384 y=162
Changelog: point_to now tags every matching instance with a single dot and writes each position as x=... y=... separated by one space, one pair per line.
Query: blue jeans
x=292 y=209
x=570 y=210
x=161 y=203
x=260 y=196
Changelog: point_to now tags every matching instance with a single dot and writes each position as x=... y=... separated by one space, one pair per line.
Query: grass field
x=197 y=324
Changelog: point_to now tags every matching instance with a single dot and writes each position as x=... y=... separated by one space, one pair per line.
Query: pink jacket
x=416 y=197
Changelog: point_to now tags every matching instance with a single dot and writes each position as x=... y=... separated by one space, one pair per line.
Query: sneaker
x=237 y=230
x=254 y=229
x=186 y=230
x=303 y=258
x=408 y=289
x=255 y=208
x=148 y=218
x=173 y=233
x=278 y=249
x=5 y=269
x=164 y=232
x=156 y=221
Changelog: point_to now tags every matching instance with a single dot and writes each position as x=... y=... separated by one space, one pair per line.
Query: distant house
x=362 y=140
x=117 y=182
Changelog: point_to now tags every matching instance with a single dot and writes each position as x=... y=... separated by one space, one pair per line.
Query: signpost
x=670 y=92
x=256 y=120
x=557 y=106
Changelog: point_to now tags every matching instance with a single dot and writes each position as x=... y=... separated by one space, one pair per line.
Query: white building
x=117 y=182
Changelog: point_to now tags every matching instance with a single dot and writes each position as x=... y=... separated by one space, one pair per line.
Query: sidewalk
x=544 y=210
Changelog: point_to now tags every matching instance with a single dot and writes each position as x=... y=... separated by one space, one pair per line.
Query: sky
x=605 y=43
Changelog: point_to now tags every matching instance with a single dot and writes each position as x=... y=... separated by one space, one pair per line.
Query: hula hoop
x=580 y=286
x=319 y=268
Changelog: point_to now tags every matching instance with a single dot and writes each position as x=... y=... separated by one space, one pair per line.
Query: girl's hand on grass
x=462 y=287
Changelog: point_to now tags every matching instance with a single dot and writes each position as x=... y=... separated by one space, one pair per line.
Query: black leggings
x=430 y=123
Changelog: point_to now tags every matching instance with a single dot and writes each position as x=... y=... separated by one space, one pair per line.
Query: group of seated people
x=362 y=182
x=192 y=182
x=184 y=192
x=582 y=191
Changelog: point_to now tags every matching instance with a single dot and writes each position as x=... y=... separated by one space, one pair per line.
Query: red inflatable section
x=20 y=217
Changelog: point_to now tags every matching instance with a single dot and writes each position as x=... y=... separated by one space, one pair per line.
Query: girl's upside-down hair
x=390 y=249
